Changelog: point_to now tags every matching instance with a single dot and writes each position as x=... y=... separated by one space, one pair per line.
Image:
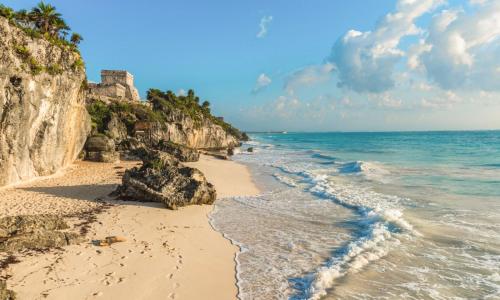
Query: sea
x=393 y=215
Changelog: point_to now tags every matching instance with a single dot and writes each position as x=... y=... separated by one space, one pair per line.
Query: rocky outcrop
x=43 y=120
x=182 y=153
x=35 y=232
x=101 y=148
x=163 y=179
x=182 y=129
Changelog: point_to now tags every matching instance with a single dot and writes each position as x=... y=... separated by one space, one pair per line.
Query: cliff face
x=182 y=129
x=123 y=119
x=43 y=119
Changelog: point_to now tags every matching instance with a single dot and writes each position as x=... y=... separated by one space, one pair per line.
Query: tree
x=6 y=12
x=47 y=19
x=205 y=106
x=76 y=38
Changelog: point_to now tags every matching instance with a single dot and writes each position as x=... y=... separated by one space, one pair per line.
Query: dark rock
x=101 y=148
x=41 y=239
x=163 y=179
x=98 y=143
x=6 y=294
x=35 y=232
x=182 y=153
x=230 y=151
x=250 y=149
x=16 y=225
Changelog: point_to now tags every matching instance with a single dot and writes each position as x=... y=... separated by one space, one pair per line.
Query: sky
x=316 y=65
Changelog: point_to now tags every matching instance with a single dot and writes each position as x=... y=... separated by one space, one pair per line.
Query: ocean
x=397 y=215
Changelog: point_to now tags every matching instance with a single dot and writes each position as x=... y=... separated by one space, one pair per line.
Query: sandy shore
x=166 y=255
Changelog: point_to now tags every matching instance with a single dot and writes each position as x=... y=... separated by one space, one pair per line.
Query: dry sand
x=167 y=254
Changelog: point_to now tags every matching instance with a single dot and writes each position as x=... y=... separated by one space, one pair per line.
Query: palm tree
x=76 y=38
x=47 y=19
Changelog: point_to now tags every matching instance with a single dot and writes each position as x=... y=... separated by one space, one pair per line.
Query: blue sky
x=306 y=65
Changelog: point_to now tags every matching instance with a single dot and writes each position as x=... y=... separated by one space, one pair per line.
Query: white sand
x=167 y=254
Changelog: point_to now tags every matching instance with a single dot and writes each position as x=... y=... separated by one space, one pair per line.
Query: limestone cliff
x=203 y=134
x=122 y=120
x=43 y=120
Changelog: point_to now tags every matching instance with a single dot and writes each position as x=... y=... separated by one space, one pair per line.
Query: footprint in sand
x=172 y=295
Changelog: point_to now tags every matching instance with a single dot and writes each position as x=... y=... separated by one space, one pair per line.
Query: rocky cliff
x=203 y=134
x=43 y=120
x=122 y=120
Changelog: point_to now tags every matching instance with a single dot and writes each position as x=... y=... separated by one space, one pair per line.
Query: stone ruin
x=114 y=85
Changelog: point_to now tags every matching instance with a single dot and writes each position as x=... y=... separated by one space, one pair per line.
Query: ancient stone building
x=116 y=85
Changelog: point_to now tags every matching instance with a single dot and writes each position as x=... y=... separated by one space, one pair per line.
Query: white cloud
x=463 y=50
x=366 y=60
x=263 y=25
x=182 y=92
x=308 y=76
x=262 y=81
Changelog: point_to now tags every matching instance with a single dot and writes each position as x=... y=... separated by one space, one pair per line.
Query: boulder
x=101 y=148
x=35 y=232
x=182 y=153
x=98 y=143
x=162 y=178
x=250 y=149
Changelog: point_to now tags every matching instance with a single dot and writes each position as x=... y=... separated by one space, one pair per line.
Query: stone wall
x=115 y=90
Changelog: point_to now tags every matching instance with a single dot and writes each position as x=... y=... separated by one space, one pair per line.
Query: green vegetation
x=34 y=66
x=189 y=105
x=43 y=21
x=54 y=69
x=128 y=112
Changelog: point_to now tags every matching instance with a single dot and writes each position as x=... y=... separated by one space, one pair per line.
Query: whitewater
x=368 y=216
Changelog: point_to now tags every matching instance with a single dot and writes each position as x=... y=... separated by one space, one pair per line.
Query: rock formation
x=35 y=232
x=182 y=153
x=101 y=148
x=43 y=120
x=163 y=179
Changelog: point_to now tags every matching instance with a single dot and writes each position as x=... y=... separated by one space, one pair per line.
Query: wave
x=323 y=156
x=494 y=165
x=381 y=218
x=381 y=214
x=286 y=180
x=371 y=170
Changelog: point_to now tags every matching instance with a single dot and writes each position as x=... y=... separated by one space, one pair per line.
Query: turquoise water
x=368 y=216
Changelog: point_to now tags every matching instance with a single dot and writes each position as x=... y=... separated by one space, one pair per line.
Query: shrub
x=54 y=69
x=78 y=64
x=22 y=51
x=34 y=66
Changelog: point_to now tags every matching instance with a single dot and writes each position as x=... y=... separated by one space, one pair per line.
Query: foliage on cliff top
x=43 y=21
x=127 y=112
x=189 y=105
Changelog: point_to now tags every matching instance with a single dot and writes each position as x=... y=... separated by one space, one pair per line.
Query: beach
x=166 y=254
